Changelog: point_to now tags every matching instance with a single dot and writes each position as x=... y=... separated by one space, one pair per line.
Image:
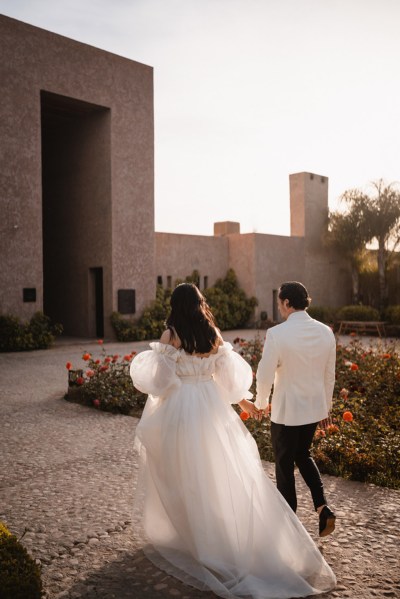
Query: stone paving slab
x=67 y=478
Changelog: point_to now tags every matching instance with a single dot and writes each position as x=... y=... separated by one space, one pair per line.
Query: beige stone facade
x=262 y=262
x=76 y=197
x=76 y=190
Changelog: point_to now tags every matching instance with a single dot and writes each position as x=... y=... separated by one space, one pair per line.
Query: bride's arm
x=170 y=338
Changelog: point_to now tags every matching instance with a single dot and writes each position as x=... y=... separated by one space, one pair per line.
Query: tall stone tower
x=325 y=275
x=309 y=208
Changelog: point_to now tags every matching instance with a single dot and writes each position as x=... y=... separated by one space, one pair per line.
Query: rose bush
x=363 y=441
x=104 y=383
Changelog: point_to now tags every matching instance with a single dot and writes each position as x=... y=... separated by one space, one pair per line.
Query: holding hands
x=249 y=407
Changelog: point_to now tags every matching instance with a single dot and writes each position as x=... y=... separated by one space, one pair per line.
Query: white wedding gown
x=211 y=515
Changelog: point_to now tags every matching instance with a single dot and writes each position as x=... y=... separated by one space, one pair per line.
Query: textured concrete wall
x=325 y=274
x=178 y=255
x=119 y=237
x=263 y=262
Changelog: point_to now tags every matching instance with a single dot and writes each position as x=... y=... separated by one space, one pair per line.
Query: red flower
x=319 y=433
x=68 y=366
x=133 y=353
x=244 y=416
x=344 y=393
x=103 y=368
x=96 y=403
x=386 y=356
x=86 y=357
x=127 y=357
x=97 y=362
x=332 y=429
x=80 y=380
x=90 y=373
x=354 y=367
x=115 y=358
x=353 y=334
x=347 y=416
x=100 y=342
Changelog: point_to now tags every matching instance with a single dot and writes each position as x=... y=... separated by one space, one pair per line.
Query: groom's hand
x=267 y=411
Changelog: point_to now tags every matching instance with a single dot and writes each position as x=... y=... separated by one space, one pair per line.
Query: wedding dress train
x=211 y=515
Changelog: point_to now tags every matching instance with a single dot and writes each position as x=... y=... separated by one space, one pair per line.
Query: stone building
x=77 y=180
x=263 y=261
x=77 y=235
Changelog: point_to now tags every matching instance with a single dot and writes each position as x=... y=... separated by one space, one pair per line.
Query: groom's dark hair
x=296 y=293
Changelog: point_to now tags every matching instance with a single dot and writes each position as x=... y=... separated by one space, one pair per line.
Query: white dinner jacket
x=299 y=360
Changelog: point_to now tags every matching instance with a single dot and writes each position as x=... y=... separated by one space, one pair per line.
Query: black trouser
x=291 y=445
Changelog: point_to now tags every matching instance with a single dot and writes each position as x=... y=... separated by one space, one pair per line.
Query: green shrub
x=20 y=576
x=105 y=383
x=392 y=315
x=361 y=313
x=229 y=304
x=38 y=333
x=322 y=313
x=150 y=325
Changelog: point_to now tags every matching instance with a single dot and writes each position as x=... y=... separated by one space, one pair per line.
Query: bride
x=210 y=514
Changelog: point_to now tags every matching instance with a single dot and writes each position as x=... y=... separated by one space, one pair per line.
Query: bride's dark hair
x=192 y=320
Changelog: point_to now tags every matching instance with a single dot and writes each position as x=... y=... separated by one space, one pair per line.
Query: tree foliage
x=229 y=303
x=369 y=218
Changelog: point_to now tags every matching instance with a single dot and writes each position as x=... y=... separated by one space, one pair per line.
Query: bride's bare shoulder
x=169 y=338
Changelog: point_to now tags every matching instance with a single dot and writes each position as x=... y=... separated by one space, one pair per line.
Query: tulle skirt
x=210 y=514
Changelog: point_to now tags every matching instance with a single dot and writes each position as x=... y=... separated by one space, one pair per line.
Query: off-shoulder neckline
x=174 y=350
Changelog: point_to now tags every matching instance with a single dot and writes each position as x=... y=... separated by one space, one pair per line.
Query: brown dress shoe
x=326 y=522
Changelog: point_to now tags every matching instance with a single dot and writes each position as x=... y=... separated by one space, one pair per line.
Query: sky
x=248 y=92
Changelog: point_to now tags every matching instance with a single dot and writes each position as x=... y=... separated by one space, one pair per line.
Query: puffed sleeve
x=233 y=374
x=154 y=371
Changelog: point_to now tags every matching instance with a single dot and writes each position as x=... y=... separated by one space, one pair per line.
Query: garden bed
x=363 y=442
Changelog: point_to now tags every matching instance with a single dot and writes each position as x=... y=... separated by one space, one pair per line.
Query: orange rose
x=332 y=429
x=86 y=357
x=127 y=358
x=68 y=366
x=244 y=416
x=386 y=356
x=319 y=433
x=347 y=416
x=354 y=367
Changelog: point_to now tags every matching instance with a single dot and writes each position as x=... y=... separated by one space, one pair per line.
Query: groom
x=299 y=360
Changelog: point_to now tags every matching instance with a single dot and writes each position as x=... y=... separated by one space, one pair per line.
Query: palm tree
x=346 y=233
x=379 y=218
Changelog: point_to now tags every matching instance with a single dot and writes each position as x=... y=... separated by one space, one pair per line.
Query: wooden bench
x=359 y=326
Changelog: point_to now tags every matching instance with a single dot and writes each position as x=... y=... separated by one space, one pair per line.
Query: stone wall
x=92 y=112
x=177 y=256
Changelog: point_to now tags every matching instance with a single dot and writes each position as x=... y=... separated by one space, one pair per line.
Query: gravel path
x=67 y=477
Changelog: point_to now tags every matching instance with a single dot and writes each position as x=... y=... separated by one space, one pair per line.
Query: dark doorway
x=96 y=304
x=76 y=188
